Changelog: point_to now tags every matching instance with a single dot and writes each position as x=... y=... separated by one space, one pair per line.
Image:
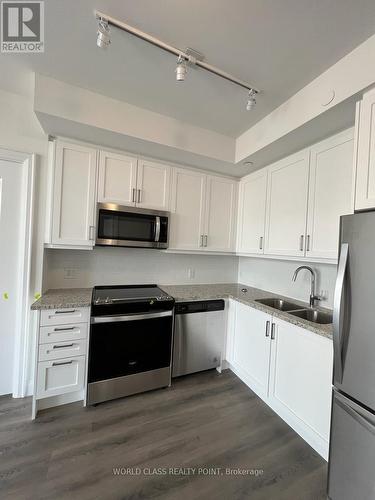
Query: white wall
x=20 y=131
x=276 y=276
x=106 y=266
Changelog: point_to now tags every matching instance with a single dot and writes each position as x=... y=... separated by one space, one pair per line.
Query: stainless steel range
x=130 y=341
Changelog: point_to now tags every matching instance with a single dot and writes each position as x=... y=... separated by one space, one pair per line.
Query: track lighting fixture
x=187 y=57
x=181 y=69
x=104 y=38
x=251 y=101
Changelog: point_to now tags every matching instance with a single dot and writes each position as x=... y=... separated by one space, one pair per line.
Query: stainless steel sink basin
x=279 y=304
x=320 y=317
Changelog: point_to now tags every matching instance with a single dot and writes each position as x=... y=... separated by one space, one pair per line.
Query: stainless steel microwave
x=122 y=226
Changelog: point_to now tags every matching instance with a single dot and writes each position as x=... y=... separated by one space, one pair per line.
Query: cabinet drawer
x=63 y=333
x=60 y=376
x=64 y=316
x=59 y=350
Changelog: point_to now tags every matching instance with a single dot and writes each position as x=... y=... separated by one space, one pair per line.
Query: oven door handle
x=129 y=317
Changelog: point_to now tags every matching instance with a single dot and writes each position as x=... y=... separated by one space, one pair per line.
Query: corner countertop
x=61 y=298
x=81 y=297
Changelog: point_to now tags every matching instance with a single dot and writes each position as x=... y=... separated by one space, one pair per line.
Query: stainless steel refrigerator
x=352 y=446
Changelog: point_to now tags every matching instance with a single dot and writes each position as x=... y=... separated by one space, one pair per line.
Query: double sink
x=312 y=315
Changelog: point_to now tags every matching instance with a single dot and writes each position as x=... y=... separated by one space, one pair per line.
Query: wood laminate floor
x=207 y=422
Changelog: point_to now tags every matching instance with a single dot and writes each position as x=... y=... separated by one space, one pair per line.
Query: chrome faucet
x=313 y=297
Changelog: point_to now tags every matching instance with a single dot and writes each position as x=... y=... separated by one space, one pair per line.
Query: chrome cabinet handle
x=63 y=363
x=261 y=243
x=201 y=241
x=268 y=328
x=308 y=243
x=68 y=328
x=139 y=195
x=205 y=240
x=133 y=195
x=62 y=346
x=70 y=311
x=301 y=242
x=273 y=331
x=338 y=313
x=92 y=233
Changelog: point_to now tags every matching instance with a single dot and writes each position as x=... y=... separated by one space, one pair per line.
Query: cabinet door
x=187 y=210
x=153 y=185
x=252 y=213
x=287 y=205
x=117 y=179
x=331 y=193
x=251 y=348
x=74 y=195
x=365 y=189
x=60 y=376
x=220 y=214
x=300 y=382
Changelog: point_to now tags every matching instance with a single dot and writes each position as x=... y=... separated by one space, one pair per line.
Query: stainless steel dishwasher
x=198 y=336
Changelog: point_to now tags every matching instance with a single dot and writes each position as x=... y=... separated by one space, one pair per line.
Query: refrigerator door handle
x=359 y=414
x=338 y=313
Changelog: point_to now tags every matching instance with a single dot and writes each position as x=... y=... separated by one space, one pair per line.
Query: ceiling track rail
x=175 y=51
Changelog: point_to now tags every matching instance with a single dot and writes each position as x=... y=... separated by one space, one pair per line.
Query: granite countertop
x=233 y=291
x=61 y=298
x=81 y=297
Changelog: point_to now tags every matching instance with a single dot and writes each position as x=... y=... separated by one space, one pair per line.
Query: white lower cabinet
x=60 y=376
x=251 y=347
x=288 y=367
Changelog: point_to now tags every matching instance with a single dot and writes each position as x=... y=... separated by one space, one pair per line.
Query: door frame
x=23 y=327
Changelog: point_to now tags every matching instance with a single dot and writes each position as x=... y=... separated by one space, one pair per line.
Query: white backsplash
x=109 y=266
x=276 y=276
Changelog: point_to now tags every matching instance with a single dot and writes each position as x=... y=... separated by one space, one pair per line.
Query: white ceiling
x=277 y=45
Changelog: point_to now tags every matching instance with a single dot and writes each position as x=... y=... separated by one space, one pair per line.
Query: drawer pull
x=68 y=329
x=62 y=346
x=70 y=311
x=63 y=363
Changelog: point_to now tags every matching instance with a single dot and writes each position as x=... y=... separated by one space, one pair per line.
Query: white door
x=220 y=214
x=187 y=210
x=365 y=189
x=300 y=383
x=287 y=205
x=331 y=193
x=117 y=179
x=11 y=180
x=251 y=347
x=74 y=195
x=153 y=185
x=252 y=212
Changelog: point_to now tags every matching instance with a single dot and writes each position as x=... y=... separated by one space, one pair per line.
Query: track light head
x=181 y=69
x=103 y=34
x=251 y=101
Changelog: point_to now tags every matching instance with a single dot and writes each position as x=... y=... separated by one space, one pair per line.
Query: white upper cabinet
x=287 y=205
x=221 y=197
x=331 y=193
x=365 y=122
x=252 y=213
x=153 y=185
x=117 y=179
x=187 y=210
x=74 y=200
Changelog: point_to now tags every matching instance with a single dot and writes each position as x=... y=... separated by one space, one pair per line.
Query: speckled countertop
x=81 y=297
x=233 y=291
x=61 y=298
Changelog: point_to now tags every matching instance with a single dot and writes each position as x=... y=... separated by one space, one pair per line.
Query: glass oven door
x=125 y=345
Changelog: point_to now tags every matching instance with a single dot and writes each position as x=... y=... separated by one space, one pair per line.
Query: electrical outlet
x=70 y=273
x=191 y=273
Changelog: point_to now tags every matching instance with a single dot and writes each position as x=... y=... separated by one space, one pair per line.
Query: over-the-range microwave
x=118 y=225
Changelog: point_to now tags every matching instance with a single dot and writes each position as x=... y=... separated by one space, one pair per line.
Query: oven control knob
x=107 y=300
